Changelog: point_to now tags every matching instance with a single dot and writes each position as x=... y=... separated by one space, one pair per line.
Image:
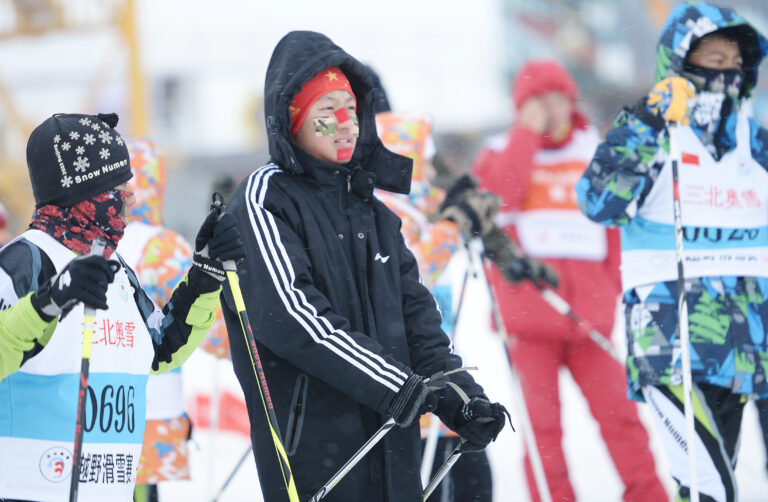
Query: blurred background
x=190 y=73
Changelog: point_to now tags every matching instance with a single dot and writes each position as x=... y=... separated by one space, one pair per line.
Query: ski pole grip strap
x=440 y=380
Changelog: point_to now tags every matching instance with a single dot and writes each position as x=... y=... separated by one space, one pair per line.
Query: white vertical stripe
x=300 y=309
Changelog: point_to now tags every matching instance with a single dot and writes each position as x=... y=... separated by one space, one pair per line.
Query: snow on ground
x=593 y=476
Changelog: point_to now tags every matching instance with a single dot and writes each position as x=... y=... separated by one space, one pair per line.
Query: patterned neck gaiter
x=713 y=112
x=76 y=227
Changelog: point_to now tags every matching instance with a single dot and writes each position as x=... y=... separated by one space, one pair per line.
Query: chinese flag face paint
x=344 y=154
x=341 y=115
x=331 y=129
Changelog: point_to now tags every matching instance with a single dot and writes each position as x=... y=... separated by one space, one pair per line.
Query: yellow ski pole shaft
x=97 y=248
x=266 y=399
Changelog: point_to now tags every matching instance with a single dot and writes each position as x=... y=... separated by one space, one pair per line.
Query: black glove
x=217 y=241
x=84 y=279
x=513 y=263
x=470 y=209
x=479 y=422
x=413 y=400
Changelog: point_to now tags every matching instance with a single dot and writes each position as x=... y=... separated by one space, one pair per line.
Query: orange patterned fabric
x=164 y=261
x=164 y=453
x=432 y=243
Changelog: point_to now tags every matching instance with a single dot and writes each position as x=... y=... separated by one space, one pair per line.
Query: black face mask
x=727 y=82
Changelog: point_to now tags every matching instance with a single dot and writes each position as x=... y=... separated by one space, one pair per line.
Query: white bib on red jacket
x=549 y=223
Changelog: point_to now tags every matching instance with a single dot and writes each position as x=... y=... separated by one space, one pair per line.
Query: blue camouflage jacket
x=727 y=315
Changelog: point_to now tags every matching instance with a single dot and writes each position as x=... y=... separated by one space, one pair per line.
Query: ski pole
x=430 y=445
x=266 y=399
x=353 y=460
x=443 y=471
x=682 y=309
x=476 y=248
x=447 y=465
x=231 y=476
x=564 y=308
x=97 y=248
x=383 y=430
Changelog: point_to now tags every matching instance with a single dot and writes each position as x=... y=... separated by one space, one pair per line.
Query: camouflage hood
x=690 y=21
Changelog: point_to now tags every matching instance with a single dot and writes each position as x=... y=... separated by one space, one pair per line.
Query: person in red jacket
x=534 y=168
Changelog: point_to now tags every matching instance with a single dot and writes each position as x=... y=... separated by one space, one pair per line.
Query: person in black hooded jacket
x=345 y=329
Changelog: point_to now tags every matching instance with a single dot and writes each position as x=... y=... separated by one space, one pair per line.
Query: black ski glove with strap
x=414 y=399
x=84 y=279
x=217 y=241
x=479 y=422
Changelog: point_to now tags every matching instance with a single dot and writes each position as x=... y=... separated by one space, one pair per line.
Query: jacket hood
x=690 y=21
x=297 y=58
x=148 y=182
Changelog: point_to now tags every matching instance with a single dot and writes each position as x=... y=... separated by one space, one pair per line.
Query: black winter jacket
x=335 y=300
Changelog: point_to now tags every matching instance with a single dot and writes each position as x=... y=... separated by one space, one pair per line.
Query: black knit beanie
x=72 y=157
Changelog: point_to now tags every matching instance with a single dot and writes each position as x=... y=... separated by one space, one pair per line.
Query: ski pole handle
x=97 y=248
x=217 y=204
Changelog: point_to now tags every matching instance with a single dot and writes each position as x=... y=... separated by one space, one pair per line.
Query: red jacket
x=530 y=177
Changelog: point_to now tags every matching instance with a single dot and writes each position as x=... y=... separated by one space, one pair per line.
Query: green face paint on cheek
x=325 y=126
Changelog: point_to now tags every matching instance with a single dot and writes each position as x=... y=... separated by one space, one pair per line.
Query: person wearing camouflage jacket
x=707 y=61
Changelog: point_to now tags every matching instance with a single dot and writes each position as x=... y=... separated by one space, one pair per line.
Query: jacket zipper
x=342 y=201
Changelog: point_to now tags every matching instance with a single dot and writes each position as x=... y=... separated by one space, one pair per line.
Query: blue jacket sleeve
x=758 y=143
x=623 y=168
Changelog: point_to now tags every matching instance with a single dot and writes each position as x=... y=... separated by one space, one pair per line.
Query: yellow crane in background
x=24 y=20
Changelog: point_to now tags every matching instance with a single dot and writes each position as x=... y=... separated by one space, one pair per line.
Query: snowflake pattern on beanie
x=84 y=153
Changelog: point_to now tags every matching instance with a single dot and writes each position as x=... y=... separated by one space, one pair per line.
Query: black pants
x=762 y=413
x=468 y=481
